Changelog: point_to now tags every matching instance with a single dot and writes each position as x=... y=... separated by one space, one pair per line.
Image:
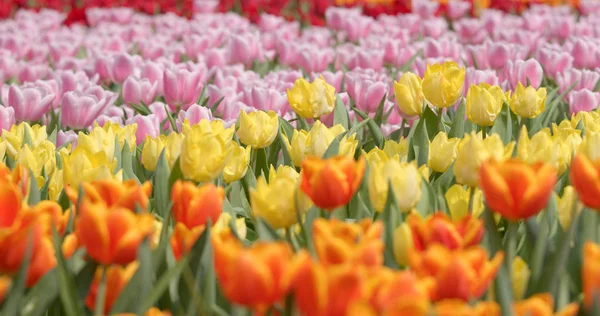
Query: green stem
x=403 y=123
x=511 y=245
x=484 y=132
x=440 y=121
x=101 y=294
x=471 y=199
x=289 y=237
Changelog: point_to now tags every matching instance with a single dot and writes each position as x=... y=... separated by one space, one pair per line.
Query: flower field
x=395 y=159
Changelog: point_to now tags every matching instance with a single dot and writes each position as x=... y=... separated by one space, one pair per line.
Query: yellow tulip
x=56 y=185
x=589 y=146
x=484 y=103
x=442 y=152
x=396 y=150
x=14 y=137
x=528 y=102
x=317 y=140
x=409 y=94
x=215 y=127
x=123 y=133
x=311 y=100
x=566 y=204
x=443 y=83
x=520 y=277
x=405 y=181
x=154 y=146
x=222 y=225
x=589 y=120
x=542 y=148
x=3 y=147
x=98 y=140
x=275 y=201
x=457 y=199
x=84 y=166
x=205 y=151
x=403 y=243
x=258 y=129
x=42 y=157
x=376 y=155
x=425 y=172
x=237 y=166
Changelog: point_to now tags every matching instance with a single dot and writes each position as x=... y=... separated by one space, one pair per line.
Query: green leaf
x=163 y=283
x=171 y=119
x=503 y=125
x=538 y=255
x=421 y=143
x=262 y=166
x=265 y=231
x=161 y=185
x=287 y=128
x=340 y=114
x=141 y=108
x=333 y=149
x=428 y=202
x=248 y=181
x=390 y=219
x=138 y=286
x=376 y=133
x=175 y=175
x=27 y=140
x=34 y=192
x=72 y=302
x=128 y=164
x=16 y=292
x=285 y=150
x=214 y=107
x=380 y=109
x=118 y=155
x=458 y=123
x=430 y=120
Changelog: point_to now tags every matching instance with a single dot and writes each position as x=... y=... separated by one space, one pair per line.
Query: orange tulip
x=70 y=244
x=18 y=176
x=111 y=235
x=399 y=293
x=183 y=239
x=151 y=312
x=113 y=193
x=516 y=189
x=4 y=285
x=460 y=274
x=116 y=279
x=585 y=178
x=260 y=282
x=331 y=183
x=440 y=229
x=194 y=206
x=543 y=305
x=454 y=307
x=338 y=242
x=590 y=273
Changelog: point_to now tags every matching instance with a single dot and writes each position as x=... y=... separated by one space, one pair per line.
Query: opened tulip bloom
x=258 y=129
x=443 y=84
x=515 y=189
x=528 y=102
x=30 y=101
x=237 y=166
x=440 y=229
x=442 y=152
x=311 y=100
x=331 y=183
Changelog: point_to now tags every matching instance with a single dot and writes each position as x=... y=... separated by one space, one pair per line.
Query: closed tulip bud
x=520 y=277
x=311 y=100
x=30 y=101
x=14 y=137
x=438 y=228
x=182 y=87
x=205 y=151
x=515 y=189
x=469 y=267
x=114 y=193
x=237 y=166
x=117 y=278
x=457 y=199
x=590 y=274
x=151 y=151
x=589 y=146
x=566 y=207
x=528 y=102
x=111 y=236
x=484 y=103
x=275 y=201
x=7 y=120
x=194 y=206
x=403 y=243
x=184 y=238
x=409 y=94
x=138 y=91
x=405 y=181
x=442 y=152
x=331 y=183
x=258 y=129
x=443 y=83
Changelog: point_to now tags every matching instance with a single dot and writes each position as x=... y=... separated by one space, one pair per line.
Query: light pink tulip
x=66 y=137
x=313 y=59
x=147 y=126
x=337 y=17
x=245 y=49
x=470 y=31
x=442 y=48
x=583 y=100
x=581 y=79
x=458 y=9
x=554 y=61
x=367 y=94
x=434 y=27
x=524 y=70
x=194 y=114
x=266 y=99
x=425 y=8
x=79 y=110
x=332 y=78
x=137 y=91
x=30 y=101
x=32 y=72
x=215 y=57
x=584 y=53
x=357 y=28
x=122 y=66
x=7 y=118
x=182 y=87
x=154 y=73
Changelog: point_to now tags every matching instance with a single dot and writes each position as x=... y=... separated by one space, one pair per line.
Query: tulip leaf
x=171 y=119
x=376 y=132
x=458 y=123
x=538 y=255
x=176 y=174
x=333 y=149
x=428 y=202
x=503 y=125
x=16 y=292
x=421 y=144
x=285 y=150
x=162 y=284
x=274 y=151
x=201 y=245
x=261 y=163
x=265 y=231
x=248 y=181
x=118 y=156
x=34 y=192
x=27 y=140
x=41 y=295
x=445 y=180
x=127 y=164
x=141 y=108
x=340 y=113
x=138 y=286
x=379 y=114
x=390 y=219
x=430 y=120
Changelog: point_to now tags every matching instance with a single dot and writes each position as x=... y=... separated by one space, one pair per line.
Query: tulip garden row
x=398 y=165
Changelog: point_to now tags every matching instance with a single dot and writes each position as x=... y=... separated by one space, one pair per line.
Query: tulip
x=543 y=304
x=460 y=274
x=590 y=273
x=111 y=235
x=258 y=129
x=238 y=164
x=442 y=152
x=15 y=136
x=524 y=71
x=7 y=118
x=113 y=193
x=405 y=181
x=528 y=102
x=83 y=166
x=121 y=67
x=331 y=183
x=409 y=94
x=443 y=84
x=30 y=101
x=5 y=283
x=194 y=206
x=366 y=93
x=154 y=146
x=184 y=238
x=182 y=87
x=566 y=207
x=438 y=228
x=456 y=307
x=79 y=109
x=147 y=126
x=403 y=243
x=193 y=115
x=457 y=199
x=311 y=100
x=316 y=141
x=484 y=103
x=473 y=151
x=205 y=151
x=117 y=278
x=515 y=189
x=585 y=176
x=98 y=140
x=124 y=134
x=265 y=265
x=520 y=277
x=138 y=91
x=41 y=158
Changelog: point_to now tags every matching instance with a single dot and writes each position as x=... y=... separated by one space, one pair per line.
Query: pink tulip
x=158 y=109
x=194 y=114
x=138 y=91
x=30 y=101
x=313 y=59
x=182 y=87
x=154 y=73
x=581 y=79
x=332 y=78
x=357 y=28
x=442 y=48
x=337 y=17
x=147 y=126
x=215 y=57
x=367 y=94
x=122 y=67
x=522 y=71
x=554 y=61
x=425 y=8
x=434 y=27
x=266 y=99
x=583 y=100
x=32 y=72
x=584 y=53
x=7 y=118
x=458 y=9
x=470 y=31
x=245 y=49
x=78 y=110
x=66 y=137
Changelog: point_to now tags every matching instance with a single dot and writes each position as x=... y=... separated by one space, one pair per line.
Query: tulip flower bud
x=528 y=102
x=312 y=100
x=403 y=243
x=405 y=182
x=443 y=83
x=409 y=94
x=237 y=166
x=442 y=152
x=484 y=103
x=258 y=129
